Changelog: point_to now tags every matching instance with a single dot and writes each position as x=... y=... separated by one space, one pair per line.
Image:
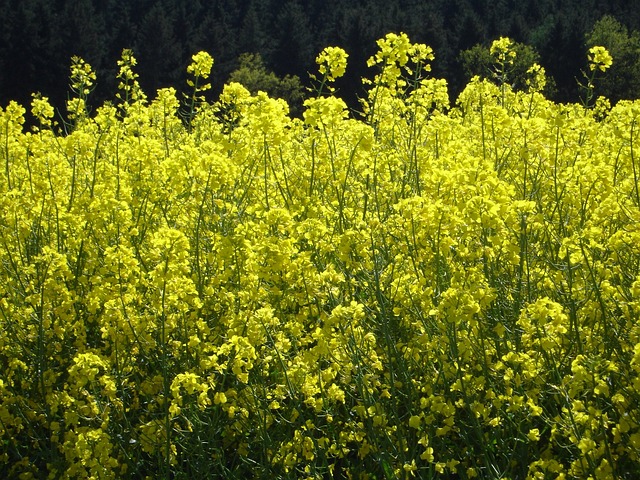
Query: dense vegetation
x=38 y=37
x=194 y=289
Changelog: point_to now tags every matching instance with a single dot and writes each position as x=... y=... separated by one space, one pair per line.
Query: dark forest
x=39 y=37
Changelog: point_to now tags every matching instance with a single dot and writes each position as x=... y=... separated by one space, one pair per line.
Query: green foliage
x=623 y=79
x=253 y=74
x=479 y=61
x=37 y=37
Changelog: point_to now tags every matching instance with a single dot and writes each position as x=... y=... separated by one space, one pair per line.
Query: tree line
x=39 y=37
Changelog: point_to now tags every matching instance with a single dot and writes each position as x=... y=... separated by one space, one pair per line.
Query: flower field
x=218 y=290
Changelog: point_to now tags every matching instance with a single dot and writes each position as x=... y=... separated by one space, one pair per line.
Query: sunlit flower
x=599 y=58
x=502 y=50
x=201 y=65
x=332 y=62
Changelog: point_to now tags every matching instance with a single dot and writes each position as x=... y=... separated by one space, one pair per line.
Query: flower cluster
x=200 y=69
x=536 y=78
x=83 y=77
x=599 y=58
x=332 y=62
x=129 y=86
x=201 y=65
x=434 y=290
x=502 y=50
x=42 y=110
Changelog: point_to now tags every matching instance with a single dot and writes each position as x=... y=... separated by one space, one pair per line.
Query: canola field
x=426 y=289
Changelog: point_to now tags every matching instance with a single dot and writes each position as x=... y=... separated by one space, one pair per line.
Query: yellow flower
x=534 y=435
x=332 y=62
x=414 y=421
x=201 y=65
x=586 y=445
x=502 y=49
x=83 y=77
x=536 y=78
x=335 y=393
x=393 y=48
x=600 y=58
x=410 y=467
x=42 y=109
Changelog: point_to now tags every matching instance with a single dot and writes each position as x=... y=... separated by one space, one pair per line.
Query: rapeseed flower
x=502 y=50
x=83 y=77
x=599 y=58
x=332 y=63
x=201 y=65
x=421 y=290
x=42 y=110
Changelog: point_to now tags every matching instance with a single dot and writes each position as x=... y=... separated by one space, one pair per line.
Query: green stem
x=633 y=164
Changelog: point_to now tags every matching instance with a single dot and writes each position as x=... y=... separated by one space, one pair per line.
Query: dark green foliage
x=158 y=50
x=254 y=76
x=37 y=38
x=622 y=81
x=479 y=61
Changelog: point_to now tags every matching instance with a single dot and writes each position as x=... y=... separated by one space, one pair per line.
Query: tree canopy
x=39 y=37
